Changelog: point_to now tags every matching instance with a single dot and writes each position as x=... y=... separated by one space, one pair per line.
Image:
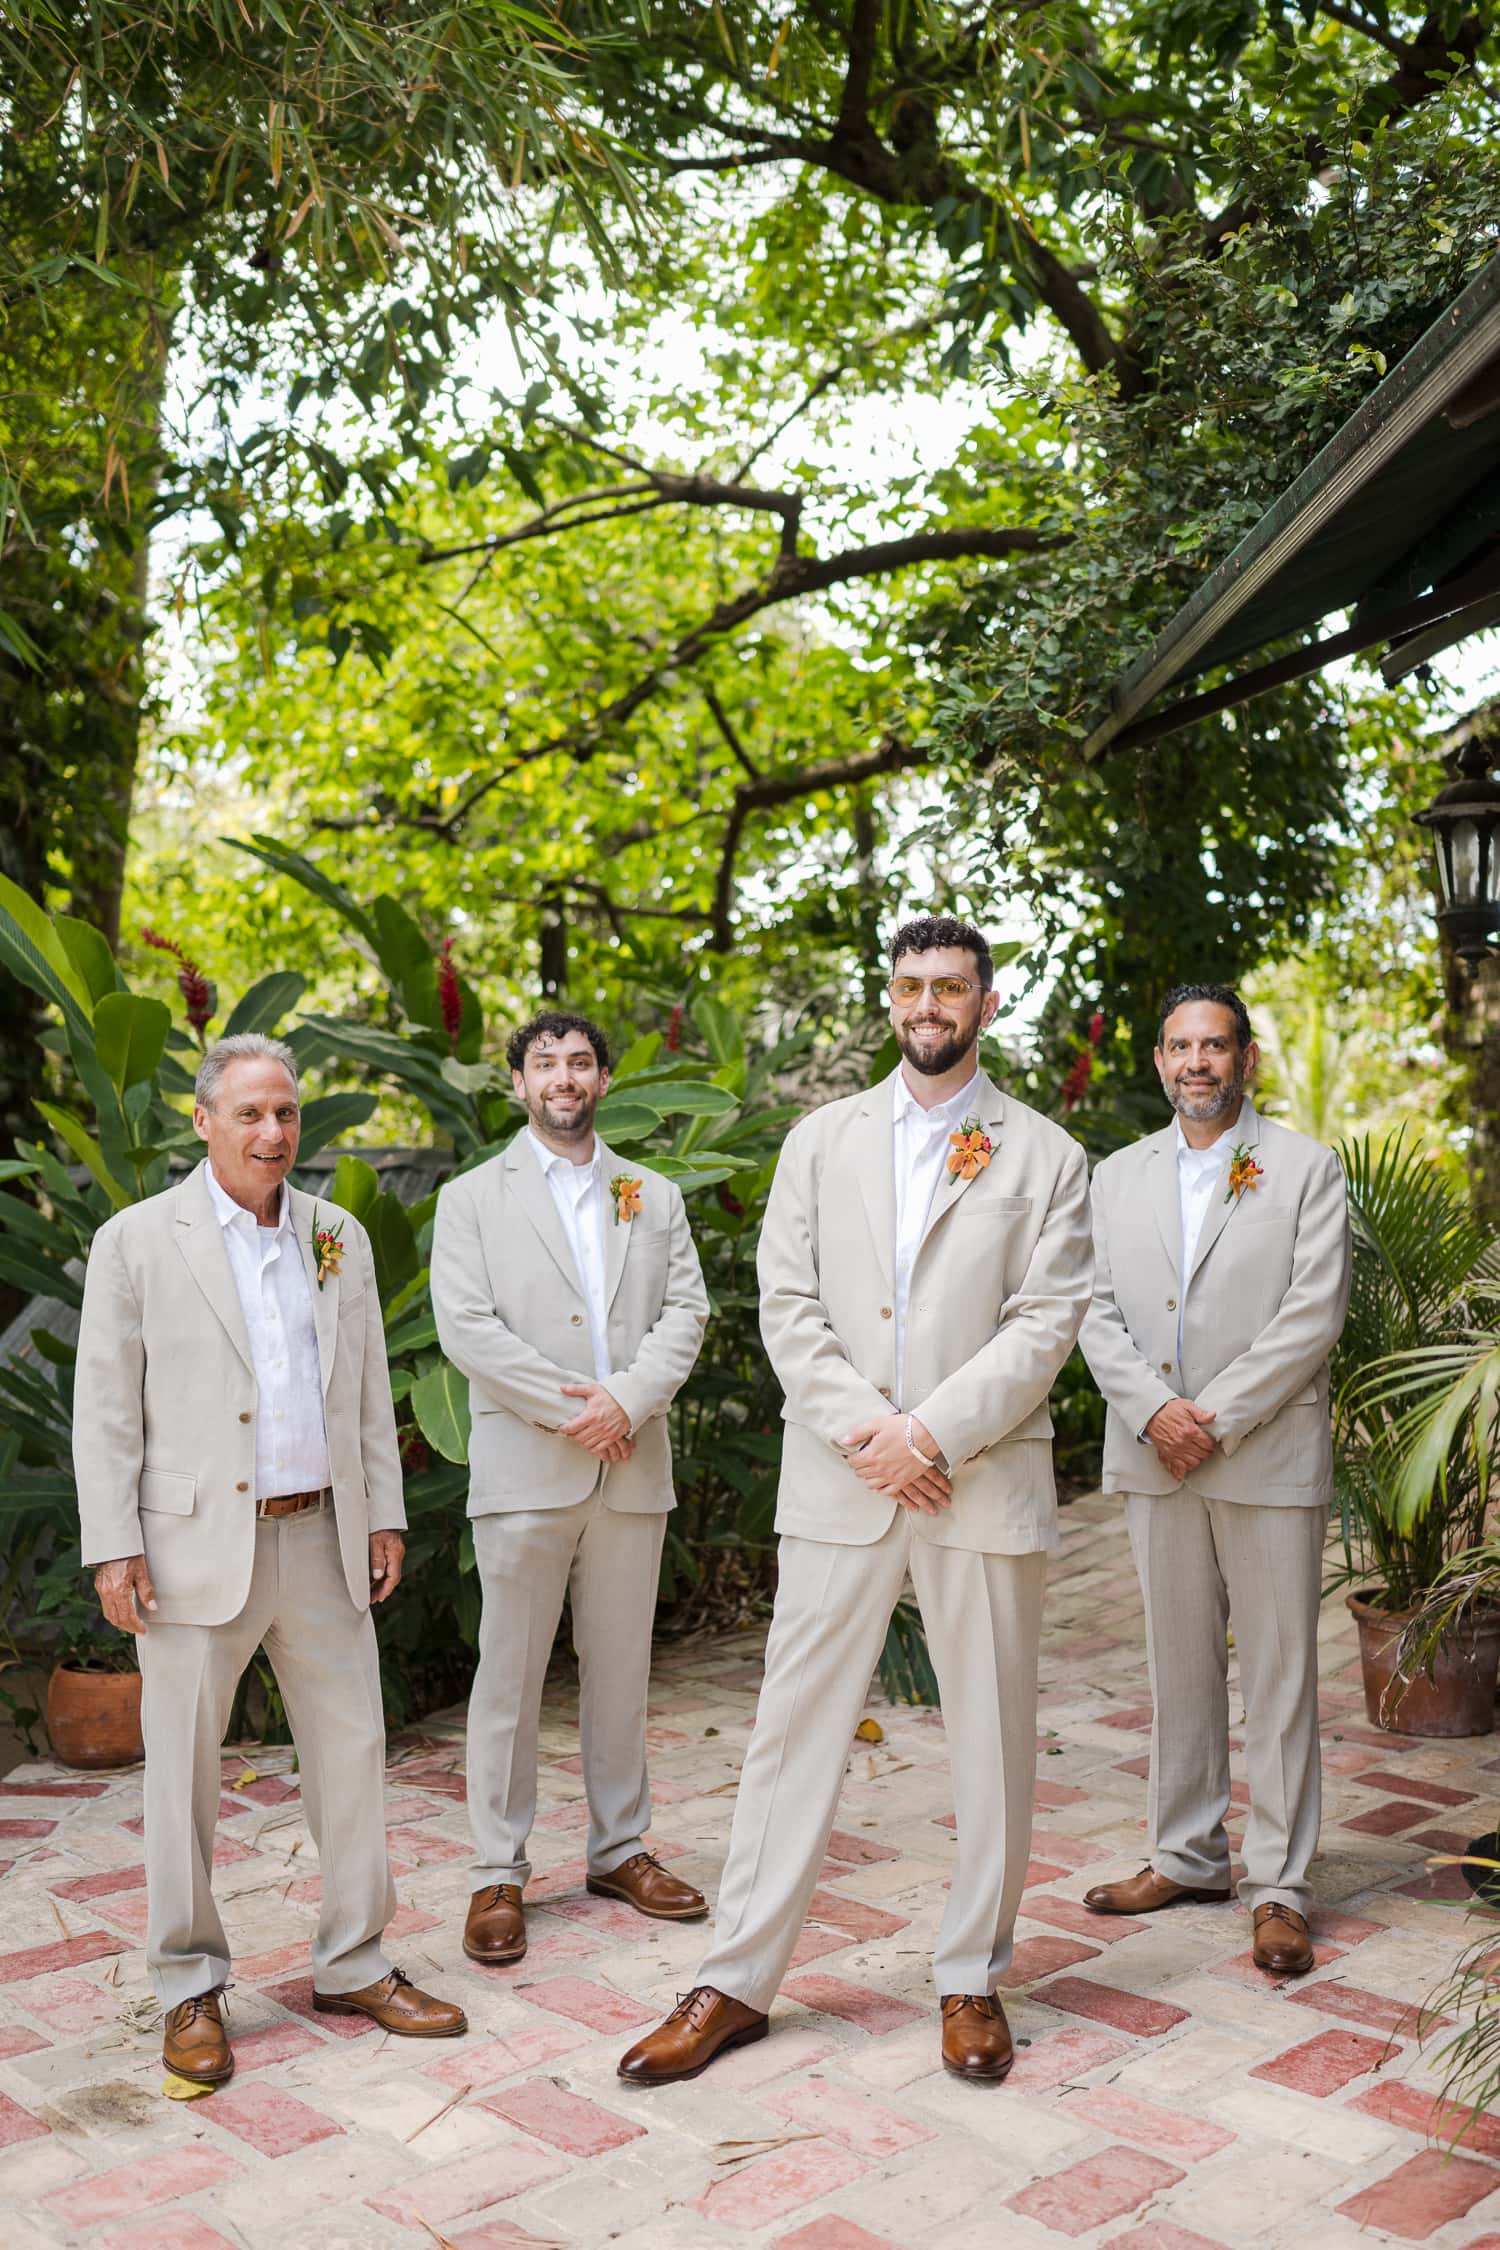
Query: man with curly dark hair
x=924 y=1267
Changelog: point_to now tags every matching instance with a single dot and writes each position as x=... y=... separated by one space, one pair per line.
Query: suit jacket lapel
x=306 y=1210
x=616 y=1234
x=534 y=1198
x=989 y=1107
x=200 y=1238
x=1165 y=1194
x=1221 y=1209
x=872 y=1162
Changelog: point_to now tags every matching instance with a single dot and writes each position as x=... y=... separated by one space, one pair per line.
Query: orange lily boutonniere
x=627 y=1197
x=971 y=1150
x=327 y=1248
x=1244 y=1172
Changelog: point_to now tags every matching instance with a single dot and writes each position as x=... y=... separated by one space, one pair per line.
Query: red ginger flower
x=1081 y=1070
x=201 y=998
x=450 y=999
x=1076 y=1084
x=674 y=1031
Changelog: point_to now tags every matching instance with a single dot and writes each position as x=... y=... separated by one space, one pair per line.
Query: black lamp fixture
x=1465 y=823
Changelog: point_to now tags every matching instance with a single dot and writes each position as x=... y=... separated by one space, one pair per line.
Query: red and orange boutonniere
x=971 y=1150
x=627 y=1197
x=1244 y=1172
x=327 y=1248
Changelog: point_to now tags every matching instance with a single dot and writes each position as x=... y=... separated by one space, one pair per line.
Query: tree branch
x=722 y=722
x=1353 y=21
x=854 y=102
x=891 y=756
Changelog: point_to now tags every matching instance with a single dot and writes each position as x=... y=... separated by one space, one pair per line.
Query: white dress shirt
x=291 y=1440
x=578 y=1192
x=921 y=1146
x=1198 y=1173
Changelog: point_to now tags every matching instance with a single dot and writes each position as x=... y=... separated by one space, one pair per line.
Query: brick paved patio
x=1166 y=2096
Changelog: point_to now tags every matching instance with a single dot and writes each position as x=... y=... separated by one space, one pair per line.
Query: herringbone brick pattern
x=1166 y=2095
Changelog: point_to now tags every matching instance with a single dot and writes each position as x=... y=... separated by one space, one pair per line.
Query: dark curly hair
x=554 y=1023
x=1221 y=997
x=931 y=930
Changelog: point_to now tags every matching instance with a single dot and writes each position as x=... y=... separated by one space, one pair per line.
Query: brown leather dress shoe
x=396 y=2005
x=194 y=2044
x=495 y=1929
x=703 y=2024
x=1283 y=1942
x=645 y=1884
x=1146 y=1893
x=976 y=2036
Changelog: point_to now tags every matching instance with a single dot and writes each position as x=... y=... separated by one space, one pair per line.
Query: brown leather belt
x=290 y=1503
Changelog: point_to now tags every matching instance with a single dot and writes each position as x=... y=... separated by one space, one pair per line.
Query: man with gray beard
x=1221 y=1280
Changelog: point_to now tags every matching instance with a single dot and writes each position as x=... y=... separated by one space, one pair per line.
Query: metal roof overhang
x=1397 y=520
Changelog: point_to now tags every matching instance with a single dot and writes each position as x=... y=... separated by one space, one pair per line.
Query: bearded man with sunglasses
x=925 y=1264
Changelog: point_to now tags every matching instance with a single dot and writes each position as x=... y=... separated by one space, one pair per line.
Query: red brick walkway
x=1166 y=2096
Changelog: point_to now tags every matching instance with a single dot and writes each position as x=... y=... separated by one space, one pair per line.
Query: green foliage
x=702 y=1110
x=1416 y=1373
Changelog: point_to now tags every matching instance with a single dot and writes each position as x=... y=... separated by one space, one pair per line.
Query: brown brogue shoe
x=396 y=2005
x=194 y=2045
x=1147 y=1893
x=495 y=1928
x=1283 y=1942
x=645 y=1884
x=703 y=2024
x=976 y=2036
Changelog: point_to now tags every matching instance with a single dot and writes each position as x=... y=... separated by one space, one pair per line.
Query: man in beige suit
x=238 y=1484
x=924 y=1267
x=1221 y=1281
x=566 y=1287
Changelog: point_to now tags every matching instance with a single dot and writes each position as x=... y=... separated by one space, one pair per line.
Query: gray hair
x=225 y=1051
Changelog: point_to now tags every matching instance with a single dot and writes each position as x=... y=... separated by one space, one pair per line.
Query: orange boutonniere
x=327 y=1248
x=1244 y=1172
x=627 y=1195
x=971 y=1150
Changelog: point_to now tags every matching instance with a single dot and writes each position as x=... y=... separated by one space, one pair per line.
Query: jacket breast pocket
x=1001 y=1207
x=169 y=1492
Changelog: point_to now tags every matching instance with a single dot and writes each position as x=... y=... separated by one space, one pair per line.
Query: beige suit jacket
x=1263 y=1307
x=998 y=1288
x=165 y=1396
x=512 y=1316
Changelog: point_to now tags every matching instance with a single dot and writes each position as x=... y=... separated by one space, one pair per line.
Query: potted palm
x=94 y=1691
x=1413 y=1472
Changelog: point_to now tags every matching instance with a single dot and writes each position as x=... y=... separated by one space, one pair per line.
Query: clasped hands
x=1178 y=1432
x=880 y=1457
x=602 y=1426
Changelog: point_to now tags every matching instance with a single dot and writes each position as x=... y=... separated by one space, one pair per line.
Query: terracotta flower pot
x=94 y=1718
x=1458 y=1697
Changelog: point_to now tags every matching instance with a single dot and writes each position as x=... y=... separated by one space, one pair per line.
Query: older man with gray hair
x=239 y=1486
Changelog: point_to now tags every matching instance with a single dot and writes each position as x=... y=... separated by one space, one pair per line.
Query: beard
x=1203 y=1108
x=931 y=1057
x=563 y=1124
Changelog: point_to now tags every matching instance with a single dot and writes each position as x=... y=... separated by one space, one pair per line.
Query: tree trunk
x=554 y=948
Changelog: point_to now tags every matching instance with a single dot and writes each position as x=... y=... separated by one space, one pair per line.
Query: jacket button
x=1166 y=1367
x=1171 y=1304
x=244 y=1417
x=884 y=1392
x=885 y=1312
x=242 y=1486
x=577 y=1319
